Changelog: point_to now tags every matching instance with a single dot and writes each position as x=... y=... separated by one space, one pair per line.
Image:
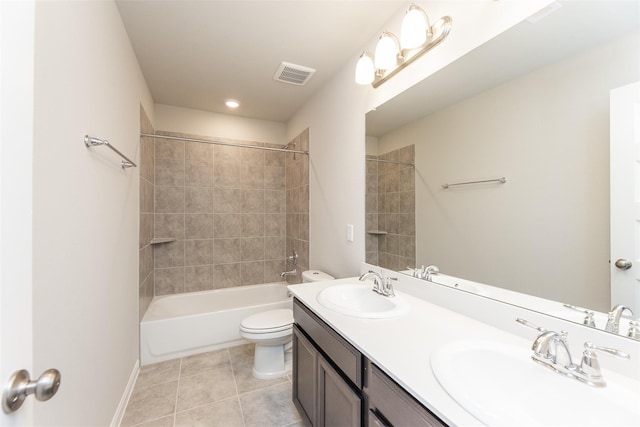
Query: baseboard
x=124 y=401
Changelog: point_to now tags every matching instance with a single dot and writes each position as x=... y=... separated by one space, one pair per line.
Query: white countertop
x=402 y=346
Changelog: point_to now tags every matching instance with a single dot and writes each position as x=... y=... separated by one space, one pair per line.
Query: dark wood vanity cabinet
x=389 y=405
x=334 y=385
x=327 y=373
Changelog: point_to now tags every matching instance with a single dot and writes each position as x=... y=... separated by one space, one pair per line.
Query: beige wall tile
x=198 y=200
x=226 y=251
x=226 y=275
x=169 y=254
x=198 y=252
x=198 y=278
x=198 y=226
x=169 y=280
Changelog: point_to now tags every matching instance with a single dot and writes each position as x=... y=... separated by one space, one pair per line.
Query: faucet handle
x=388 y=289
x=634 y=329
x=588 y=319
x=531 y=325
x=589 y=369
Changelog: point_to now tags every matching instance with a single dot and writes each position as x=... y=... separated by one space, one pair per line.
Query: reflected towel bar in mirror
x=500 y=180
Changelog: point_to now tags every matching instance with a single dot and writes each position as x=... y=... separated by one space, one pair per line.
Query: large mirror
x=532 y=106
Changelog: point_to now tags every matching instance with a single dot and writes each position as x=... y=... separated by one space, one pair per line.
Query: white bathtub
x=185 y=324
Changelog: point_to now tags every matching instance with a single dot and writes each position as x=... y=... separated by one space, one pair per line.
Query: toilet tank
x=315 y=276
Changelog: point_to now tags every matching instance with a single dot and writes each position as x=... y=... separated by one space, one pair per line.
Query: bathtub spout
x=288 y=273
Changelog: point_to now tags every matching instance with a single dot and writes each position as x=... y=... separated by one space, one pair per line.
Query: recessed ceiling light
x=232 y=103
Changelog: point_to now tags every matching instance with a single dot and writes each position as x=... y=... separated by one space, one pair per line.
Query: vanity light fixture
x=392 y=55
x=232 y=103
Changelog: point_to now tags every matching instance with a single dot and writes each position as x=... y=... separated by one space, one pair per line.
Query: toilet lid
x=272 y=319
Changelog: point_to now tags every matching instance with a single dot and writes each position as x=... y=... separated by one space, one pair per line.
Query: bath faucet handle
x=589 y=370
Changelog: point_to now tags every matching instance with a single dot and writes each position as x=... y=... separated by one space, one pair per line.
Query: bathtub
x=190 y=323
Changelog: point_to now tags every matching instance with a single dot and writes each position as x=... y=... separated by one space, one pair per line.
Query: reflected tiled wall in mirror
x=390 y=209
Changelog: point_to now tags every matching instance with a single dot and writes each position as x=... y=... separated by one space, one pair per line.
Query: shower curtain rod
x=390 y=161
x=230 y=144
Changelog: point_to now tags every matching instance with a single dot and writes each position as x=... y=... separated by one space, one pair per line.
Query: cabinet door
x=304 y=371
x=390 y=405
x=338 y=404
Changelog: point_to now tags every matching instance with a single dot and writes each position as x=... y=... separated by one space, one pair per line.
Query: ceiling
x=196 y=54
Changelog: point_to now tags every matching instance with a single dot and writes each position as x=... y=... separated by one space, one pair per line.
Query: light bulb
x=232 y=103
x=415 y=28
x=365 y=71
x=386 y=52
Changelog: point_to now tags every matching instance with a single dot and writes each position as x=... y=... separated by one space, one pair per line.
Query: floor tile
x=158 y=373
x=160 y=422
x=150 y=403
x=246 y=382
x=225 y=413
x=206 y=387
x=269 y=407
x=213 y=359
x=209 y=390
x=241 y=354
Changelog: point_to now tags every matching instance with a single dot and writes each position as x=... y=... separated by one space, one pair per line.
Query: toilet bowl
x=271 y=331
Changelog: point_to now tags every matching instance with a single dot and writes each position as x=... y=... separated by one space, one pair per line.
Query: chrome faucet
x=380 y=285
x=613 y=321
x=288 y=273
x=378 y=281
x=428 y=271
x=551 y=350
x=424 y=272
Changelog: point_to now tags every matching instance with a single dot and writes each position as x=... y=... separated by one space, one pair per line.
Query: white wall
x=185 y=120
x=548 y=133
x=336 y=121
x=85 y=209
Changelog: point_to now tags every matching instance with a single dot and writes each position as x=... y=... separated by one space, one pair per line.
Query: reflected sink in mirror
x=359 y=300
x=501 y=386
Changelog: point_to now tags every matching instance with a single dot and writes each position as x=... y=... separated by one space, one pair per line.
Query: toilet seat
x=268 y=322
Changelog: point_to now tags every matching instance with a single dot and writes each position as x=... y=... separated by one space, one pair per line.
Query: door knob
x=20 y=386
x=623 y=264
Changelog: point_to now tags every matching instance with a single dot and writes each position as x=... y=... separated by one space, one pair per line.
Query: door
x=16 y=145
x=625 y=197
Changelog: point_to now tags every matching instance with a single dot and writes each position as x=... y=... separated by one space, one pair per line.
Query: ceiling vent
x=293 y=74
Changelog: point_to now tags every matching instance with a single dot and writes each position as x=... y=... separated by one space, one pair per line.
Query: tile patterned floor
x=210 y=389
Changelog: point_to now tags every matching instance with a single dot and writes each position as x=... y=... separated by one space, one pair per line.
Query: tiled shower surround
x=390 y=208
x=227 y=207
x=147 y=173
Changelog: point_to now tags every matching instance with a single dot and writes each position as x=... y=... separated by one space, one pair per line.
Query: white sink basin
x=359 y=300
x=501 y=386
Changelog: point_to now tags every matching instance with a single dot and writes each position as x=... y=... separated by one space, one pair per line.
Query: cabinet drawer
x=337 y=349
x=393 y=406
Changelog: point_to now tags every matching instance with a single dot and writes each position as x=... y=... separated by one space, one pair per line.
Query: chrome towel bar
x=500 y=180
x=90 y=141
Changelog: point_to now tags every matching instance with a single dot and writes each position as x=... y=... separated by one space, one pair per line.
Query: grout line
x=175 y=404
x=235 y=382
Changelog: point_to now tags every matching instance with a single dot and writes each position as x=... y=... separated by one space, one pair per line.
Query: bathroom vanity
x=357 y=371
x=334 y=384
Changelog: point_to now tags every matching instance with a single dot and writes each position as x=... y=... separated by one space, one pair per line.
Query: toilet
x=271 y=331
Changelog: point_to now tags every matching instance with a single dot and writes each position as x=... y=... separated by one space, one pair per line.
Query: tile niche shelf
x=163 y=240
x=376 y=232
